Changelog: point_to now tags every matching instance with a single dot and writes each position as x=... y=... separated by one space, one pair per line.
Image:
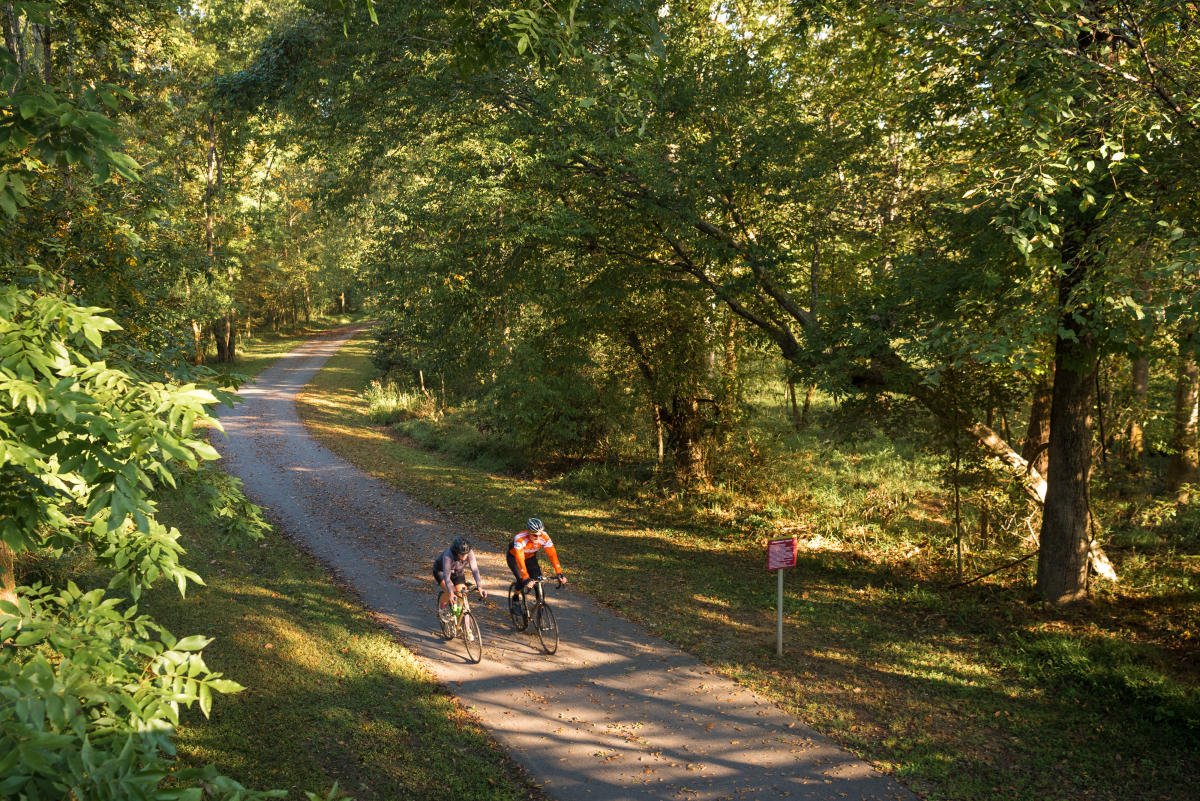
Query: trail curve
x=617 y=714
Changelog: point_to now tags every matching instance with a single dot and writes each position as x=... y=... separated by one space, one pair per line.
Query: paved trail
x=616 y=715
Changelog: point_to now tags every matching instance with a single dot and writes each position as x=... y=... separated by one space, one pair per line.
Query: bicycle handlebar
x=543 y=580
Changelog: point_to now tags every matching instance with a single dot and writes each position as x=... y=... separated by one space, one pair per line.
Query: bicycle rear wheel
x=516 y=608
x=469 y=631
x=547 y=628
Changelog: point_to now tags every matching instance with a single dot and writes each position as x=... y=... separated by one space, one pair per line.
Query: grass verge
x=260 y=350
x=331 y=695
x=973 y=693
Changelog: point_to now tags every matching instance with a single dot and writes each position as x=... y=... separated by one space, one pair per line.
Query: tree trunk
x=8 y=579
x=685 y=424
x=198 y=341
x=656 y=410
x=1065 y=537
x=1184 y=467
x=682 y=419
x=791 y=396
x=197 y=329
x=985 y=521
x=210 y=190
x=1037 y=435
x=231 y=335
x=14 y=38
x=47 y=62
x=1135 y=435
x=220 y=338
x=8 y=19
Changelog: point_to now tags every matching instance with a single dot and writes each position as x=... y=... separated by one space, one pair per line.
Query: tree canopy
x=598 y=231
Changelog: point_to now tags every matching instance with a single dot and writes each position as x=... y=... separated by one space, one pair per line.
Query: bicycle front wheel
x=547 y=628
x=469 y=631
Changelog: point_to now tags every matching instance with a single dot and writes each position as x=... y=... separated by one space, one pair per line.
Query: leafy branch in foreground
x=91 y=689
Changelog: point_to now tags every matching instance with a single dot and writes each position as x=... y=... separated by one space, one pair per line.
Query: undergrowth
x=965 y=691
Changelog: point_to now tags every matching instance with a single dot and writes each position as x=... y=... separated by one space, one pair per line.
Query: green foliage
x=602 y=480
x=220 y=502
x=1122 y=673
x=390 y=404
x=92 y=688
x=44 y=127
x=93 y=692
x=82 y=441
x=547 y=400
x=464 y=440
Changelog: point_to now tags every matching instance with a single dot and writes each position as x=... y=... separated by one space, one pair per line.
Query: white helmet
x=534 y=525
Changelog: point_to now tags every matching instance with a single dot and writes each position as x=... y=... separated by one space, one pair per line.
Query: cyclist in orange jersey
x=522 y=553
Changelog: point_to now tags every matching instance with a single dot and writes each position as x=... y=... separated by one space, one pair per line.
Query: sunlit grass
x=970 y=693
x=331 y=696
x=259 y=350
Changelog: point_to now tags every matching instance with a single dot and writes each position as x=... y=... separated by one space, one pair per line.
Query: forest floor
x=975 y=692
x=615 y=713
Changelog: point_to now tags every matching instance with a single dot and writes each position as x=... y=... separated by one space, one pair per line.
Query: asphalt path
x=617 y=714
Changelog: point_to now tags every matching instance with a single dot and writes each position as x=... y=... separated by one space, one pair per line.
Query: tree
x=1036 y=109
x=983 y=196
x=94 y=687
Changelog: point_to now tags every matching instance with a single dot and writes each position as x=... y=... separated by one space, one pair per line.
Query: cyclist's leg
x=535 y=572
x=439 y=577
x=459 y=580
x=516 y=570
x=512 y=566
x=517 y=580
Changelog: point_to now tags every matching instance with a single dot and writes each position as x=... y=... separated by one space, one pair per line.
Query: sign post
x=780 y=554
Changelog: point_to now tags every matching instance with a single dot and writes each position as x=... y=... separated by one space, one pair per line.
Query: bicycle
x=457 y=621
x=544 y=624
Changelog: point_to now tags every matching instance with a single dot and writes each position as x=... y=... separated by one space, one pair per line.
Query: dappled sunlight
x=613 y=710
x=875 y=652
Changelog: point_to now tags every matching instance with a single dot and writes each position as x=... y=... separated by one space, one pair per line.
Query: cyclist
x=522 y=554
x=449 y=571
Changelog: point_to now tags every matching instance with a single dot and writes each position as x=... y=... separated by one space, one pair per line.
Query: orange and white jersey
x=529 y=543
x=526 y=544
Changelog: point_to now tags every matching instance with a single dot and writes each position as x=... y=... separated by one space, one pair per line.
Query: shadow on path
x=616 y=714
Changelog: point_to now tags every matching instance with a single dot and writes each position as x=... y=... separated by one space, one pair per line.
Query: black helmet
x=534 y=525
x=460 y=547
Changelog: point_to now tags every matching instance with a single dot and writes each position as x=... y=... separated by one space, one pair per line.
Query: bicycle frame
x=539 y=593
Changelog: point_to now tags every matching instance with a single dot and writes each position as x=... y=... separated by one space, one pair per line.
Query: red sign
x=781 y=553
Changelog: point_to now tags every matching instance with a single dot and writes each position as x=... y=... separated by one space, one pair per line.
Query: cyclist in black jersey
x=449 y=570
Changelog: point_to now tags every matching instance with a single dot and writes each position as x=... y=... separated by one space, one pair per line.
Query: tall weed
x=388 y=403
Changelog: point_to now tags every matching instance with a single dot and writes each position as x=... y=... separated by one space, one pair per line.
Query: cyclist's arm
x=475 y=572
x=553 y=554
x=447 y=581
x=518 y=553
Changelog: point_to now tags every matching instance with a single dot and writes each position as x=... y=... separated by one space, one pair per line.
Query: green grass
x=971 y=693
x=258 y=351
x=331 y=696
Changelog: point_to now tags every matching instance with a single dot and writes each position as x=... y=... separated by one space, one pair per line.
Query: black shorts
x=457 y=578
x=531 y=566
